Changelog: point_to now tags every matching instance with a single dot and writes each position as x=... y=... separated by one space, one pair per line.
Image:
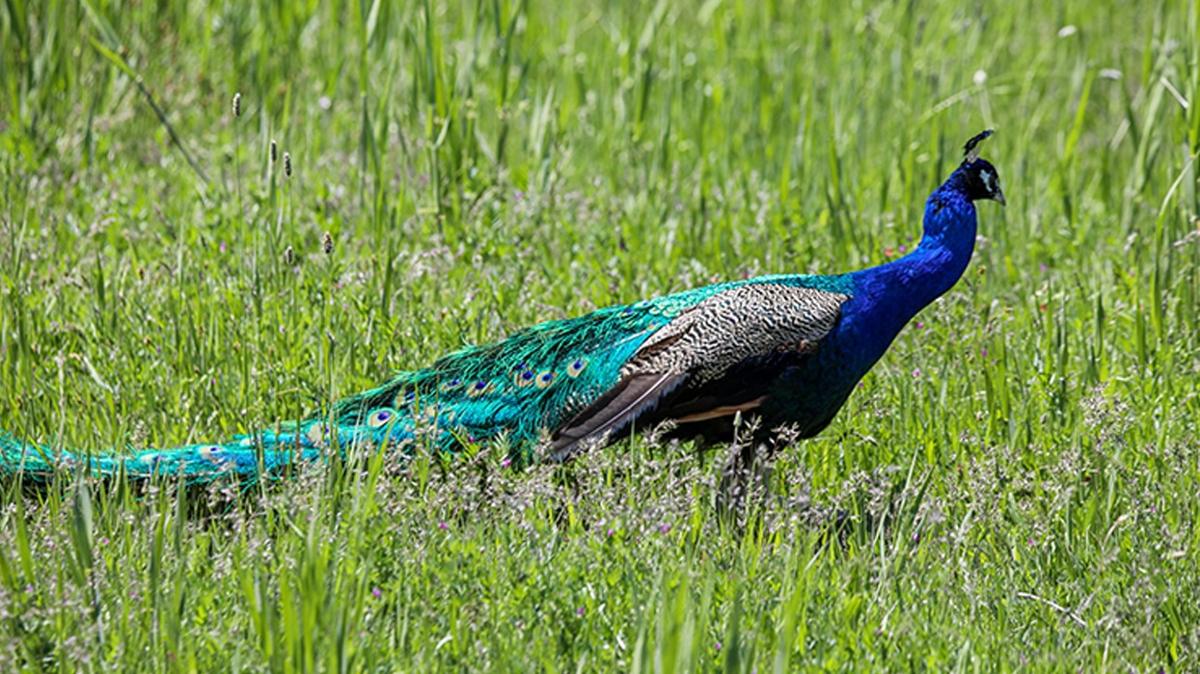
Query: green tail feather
x=243 y=459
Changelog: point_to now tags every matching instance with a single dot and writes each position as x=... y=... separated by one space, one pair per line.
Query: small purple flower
x=717 y=646
x=221 y=247
x=443 y=526
x=916 y=373
x=664 y=528
x=610 y=533
x=903 y=248
x=376 y=592
x=505 y=462
x=1042 y=267
x=580 y=611
x=920 y=325
x=983 y=351
x=1030 y=542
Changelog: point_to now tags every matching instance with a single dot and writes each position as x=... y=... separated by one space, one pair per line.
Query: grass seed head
x=237 y=104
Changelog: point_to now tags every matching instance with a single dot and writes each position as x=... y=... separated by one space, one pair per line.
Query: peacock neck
x=894 y=292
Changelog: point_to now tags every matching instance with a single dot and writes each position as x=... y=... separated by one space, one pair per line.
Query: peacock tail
x=787 y=348
x=516 y=390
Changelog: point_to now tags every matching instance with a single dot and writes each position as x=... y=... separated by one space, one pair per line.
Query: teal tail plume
x=514 y=391
x=244 y=459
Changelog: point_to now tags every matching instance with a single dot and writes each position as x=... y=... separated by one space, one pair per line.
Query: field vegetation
x=1013 y=488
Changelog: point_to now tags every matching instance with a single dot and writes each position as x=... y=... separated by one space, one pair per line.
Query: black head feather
x=982 y=180
x=970 y=148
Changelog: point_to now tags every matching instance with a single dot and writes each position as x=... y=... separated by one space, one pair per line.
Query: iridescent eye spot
x=574 y=369
x=450 y=385
x=480 y=388
x=316 y=434
x=545 y=379
x=404 y=397
x=379 y=418
x=210 y=453
x=524 y=378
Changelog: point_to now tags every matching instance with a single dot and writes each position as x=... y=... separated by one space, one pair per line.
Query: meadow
x=1014 y=488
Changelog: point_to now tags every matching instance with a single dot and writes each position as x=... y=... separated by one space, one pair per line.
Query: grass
x=1020 y=471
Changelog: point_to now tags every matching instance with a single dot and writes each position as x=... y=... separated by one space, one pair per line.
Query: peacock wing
x=710 y=360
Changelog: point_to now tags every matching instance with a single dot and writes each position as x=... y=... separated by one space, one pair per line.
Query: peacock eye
x=317 y=434
x=404 y=397
x=575 y=368
x=481 y=387
x=379 y=418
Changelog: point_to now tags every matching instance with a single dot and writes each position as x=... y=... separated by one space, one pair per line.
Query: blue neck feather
x=889 y=295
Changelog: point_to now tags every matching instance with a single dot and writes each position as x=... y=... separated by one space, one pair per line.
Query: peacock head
x=980 y=179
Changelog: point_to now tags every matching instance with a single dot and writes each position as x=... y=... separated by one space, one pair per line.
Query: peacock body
x=786 y=348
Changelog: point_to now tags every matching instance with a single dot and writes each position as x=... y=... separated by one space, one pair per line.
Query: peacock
x=787 y=349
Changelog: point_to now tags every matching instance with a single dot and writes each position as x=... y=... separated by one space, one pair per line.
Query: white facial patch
x=989 y=181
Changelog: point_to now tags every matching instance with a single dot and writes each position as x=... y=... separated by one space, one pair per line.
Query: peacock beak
x=998 y=197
